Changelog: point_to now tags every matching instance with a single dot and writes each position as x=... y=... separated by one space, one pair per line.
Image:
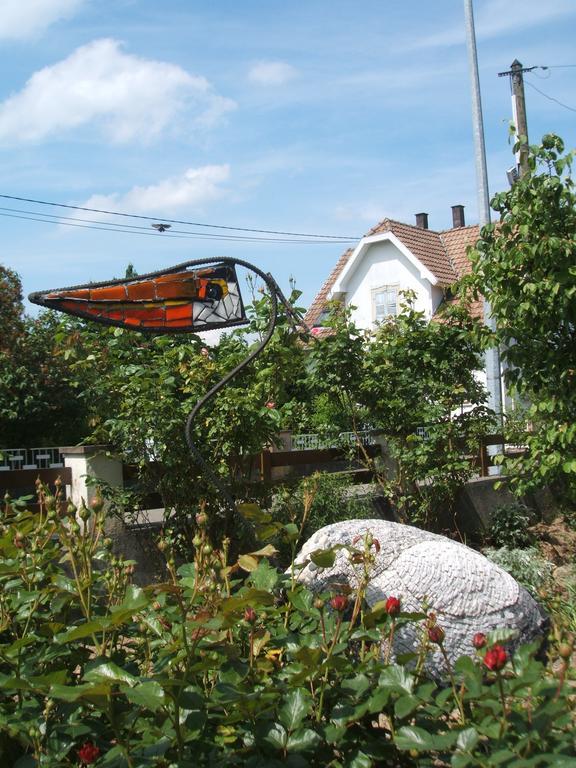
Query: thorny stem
x=503 y=719
x=329 y=652
x=457 y=696
x=390 y=640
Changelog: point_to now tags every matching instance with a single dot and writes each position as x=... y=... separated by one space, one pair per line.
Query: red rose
x=250 y=615
x=88 y=753
x=392 y=606
x=436 y=634
x=495 y=658
x=479 y=640
x=339 y=602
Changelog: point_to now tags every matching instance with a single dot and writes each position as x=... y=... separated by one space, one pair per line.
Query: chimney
x=458 y=216
x=422 y=220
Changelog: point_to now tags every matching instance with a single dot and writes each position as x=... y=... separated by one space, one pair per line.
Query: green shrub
x=238 y=665
x=509 y=526
x=527 y=566
x=319 y=500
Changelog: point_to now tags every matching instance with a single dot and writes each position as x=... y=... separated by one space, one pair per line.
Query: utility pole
x=492 y=356
x=477 y=121
x=516 y=74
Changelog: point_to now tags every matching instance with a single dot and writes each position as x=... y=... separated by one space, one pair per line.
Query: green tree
x=413 y=382
x=526 y=265
x=38 y=395
x=138 y=391
x=11 y=308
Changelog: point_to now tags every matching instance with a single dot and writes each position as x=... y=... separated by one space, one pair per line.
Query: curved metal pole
x=274 y=291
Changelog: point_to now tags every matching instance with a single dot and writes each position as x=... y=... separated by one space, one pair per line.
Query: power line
x=551 y=98
x=178 y=221
x=134 y=230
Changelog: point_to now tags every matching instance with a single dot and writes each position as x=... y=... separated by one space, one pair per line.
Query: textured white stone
x=466 y=591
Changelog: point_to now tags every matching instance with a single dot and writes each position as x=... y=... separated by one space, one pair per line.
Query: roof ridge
x=386 y=219
x=454 y=229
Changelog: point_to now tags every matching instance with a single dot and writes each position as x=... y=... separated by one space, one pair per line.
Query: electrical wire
x=178 y=221
x=130 y=229
x=551 y=98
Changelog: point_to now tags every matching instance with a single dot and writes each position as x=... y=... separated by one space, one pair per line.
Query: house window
x=384 y=302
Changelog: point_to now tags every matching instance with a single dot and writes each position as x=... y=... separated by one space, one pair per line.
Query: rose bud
x=495 y=658
x=436 y=634
x=270 y=404
x=392 y=606
x=250 y=615
x=479 y=640
x=339 y=602
x=88 y=753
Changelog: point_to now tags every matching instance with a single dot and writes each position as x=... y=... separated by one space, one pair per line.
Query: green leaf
x=302 y=740
x=467 y=739
x=405 y=705
x=292 y=531
x=265 y=577
x=276 y=736
x=361 y=760
x=323 y=558
x=295 y=708
x=251 y=511
x=87 y=629
x=84 y=691
x=135 y=600
x=248 y=562
x=357 y=685
x=397 y=678
x=148 y=694
x=110 y=671
x=411 y=737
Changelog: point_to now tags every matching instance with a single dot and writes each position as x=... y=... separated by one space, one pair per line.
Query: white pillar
x=90 y=461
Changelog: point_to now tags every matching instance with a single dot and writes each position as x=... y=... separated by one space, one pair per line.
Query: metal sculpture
x=196 y=296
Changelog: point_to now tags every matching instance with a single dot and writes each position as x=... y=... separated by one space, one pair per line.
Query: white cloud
x=496 y=17
x=272 y=73
x=190 y=191
x=23 y=19
x=129 y=97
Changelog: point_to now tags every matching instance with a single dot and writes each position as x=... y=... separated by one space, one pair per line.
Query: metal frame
x=275 y=295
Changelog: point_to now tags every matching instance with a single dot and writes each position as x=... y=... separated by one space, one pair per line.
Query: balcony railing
x=30 y=458
x=313 y=442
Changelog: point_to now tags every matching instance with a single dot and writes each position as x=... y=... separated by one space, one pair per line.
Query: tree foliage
x=413 y=383
x=139 y=391
x=11 y=308
x=38 y=393
x=526 y=265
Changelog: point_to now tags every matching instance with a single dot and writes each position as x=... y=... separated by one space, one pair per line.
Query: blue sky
x=316 y=116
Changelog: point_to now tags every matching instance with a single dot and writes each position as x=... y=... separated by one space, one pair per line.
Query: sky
x=312 y=116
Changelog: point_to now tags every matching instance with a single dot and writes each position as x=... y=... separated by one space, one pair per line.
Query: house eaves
x=339 y=286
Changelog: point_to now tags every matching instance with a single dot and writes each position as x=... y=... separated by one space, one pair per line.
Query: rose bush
x=239 y=665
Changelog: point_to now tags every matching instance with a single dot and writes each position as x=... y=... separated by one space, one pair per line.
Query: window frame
x=382 y=289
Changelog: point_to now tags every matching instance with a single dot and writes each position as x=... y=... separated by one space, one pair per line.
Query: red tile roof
x=443 y=253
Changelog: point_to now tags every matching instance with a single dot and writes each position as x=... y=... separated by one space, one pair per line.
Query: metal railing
x=30 y=458
x=314 y=442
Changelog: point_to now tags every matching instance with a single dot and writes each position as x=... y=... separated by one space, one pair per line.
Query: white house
x=394 y=257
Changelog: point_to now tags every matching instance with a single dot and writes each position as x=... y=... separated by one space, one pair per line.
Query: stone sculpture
x=467 y=592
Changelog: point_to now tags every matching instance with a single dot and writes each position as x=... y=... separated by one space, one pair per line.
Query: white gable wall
x=382 y=263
